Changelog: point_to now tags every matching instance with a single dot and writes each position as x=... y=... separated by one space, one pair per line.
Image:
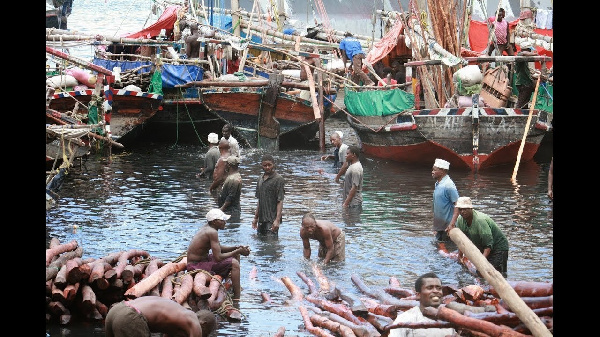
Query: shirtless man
x=220 y=171
x=221 y=259
x=150 y=314
x=332 y=240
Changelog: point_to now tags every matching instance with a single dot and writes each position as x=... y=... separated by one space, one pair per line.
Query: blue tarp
x=171 y=74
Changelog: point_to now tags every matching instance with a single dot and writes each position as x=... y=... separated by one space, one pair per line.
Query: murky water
x=149 y=198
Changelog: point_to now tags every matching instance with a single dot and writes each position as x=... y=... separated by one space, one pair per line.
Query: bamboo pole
x=531 y=108
x=506 y=292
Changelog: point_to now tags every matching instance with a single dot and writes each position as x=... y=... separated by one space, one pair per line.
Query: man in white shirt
x=234 y=146
x=429 y=289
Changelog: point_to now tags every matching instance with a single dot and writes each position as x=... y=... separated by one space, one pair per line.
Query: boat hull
x=428 y=134
x=241 y=107
x=130 y=110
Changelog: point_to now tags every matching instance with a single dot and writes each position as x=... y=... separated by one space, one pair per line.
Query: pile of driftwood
x=84 y=289
x=472 y=310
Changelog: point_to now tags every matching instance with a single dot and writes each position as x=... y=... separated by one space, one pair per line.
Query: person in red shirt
x=387 y=79
x=233 y=64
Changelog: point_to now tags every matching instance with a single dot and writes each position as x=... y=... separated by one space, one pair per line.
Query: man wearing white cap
x=445 y=196
x=339 y=154
x=206 y=252
x=211 y=157
x=484 y=233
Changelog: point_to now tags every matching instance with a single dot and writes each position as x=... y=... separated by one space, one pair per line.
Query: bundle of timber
x=472 y=310
x=84 y=289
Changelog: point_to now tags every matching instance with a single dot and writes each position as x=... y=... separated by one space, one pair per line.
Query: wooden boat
x=470 y=138
x=56 y=16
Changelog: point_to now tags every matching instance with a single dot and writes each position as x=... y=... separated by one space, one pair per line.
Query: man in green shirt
x=484 y=233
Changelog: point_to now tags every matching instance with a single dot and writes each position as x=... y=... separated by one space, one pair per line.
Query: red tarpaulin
x=166 y=22
x=478 y=38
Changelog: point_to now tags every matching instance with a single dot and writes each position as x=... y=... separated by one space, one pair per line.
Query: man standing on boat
x=234 y=146
x=501 y=35
x=484 y=233
x=525 y=75
x=211 y=157
x=445 y=196
x=353 y=179
x=351 y=49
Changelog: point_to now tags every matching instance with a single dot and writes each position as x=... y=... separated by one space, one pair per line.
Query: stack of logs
x=84 y=289
x=471 y=310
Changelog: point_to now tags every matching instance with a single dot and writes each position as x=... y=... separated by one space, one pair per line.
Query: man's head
x=309 y=223
x=207 y=320
x=336 y=138
x=227 y=128
x=233 y=161
x=440 y=169
x=347 y=34
x=465 y=207
x=268 y=164
x=429 y=290
x=217 y=216
x=500 y=14
x=223 y=145
x=352 y=153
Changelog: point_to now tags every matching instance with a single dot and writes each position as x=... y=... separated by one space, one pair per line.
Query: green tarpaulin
x=377 y=102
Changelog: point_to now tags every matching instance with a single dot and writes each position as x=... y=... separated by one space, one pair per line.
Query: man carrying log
x=429 y=290
x=332 y=240
x=484 y=233
x=155 y=314
x=223 y=259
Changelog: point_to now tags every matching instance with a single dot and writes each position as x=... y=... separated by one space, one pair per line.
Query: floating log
x=360 y=330
x=200 y=285
x=332 y=326
x=321 y=279
x=380 y=309
x=310 y=327
x=280 y=332
x=419 y=325
x=187 y=283
x=378 y=321
x=508 y=318
x=266 y=298
x=57 y=250
x=496 y=279
x=357 y=307
x=459 y=321
x=156 y=278
x=382 y=296
x=399 y=292
x=312 y=290
x=126 y=256
x=393 y=282
x=533 y=302
x=527 y=289
x=293 y=288
x=461 y=308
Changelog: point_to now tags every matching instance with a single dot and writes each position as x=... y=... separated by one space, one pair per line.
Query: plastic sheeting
x=377 y=102
x=172 y=74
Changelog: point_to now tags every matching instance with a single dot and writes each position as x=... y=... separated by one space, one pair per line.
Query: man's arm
x=342 y=171
x=277 y=221
x=328 y=242
x=350 y=196
x=551 y=179
x=305 y=244
x=255 y=221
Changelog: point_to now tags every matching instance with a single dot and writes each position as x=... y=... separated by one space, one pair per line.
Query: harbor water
x=148 y=197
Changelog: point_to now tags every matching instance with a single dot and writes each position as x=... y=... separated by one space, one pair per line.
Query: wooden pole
x=505 y=291
x=531 y=108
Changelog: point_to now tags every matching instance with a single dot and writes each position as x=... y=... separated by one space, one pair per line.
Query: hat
x=441 y=164
x=216 y=214
x=526 y=45
x=340 y=133
x=233 y=160
x=213 y=138
x=464 y=202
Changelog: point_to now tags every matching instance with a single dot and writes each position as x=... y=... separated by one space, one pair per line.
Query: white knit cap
x=441 y=164
x=213 y=138
x=464 y=202
x=340 y=133
x=215 y=214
